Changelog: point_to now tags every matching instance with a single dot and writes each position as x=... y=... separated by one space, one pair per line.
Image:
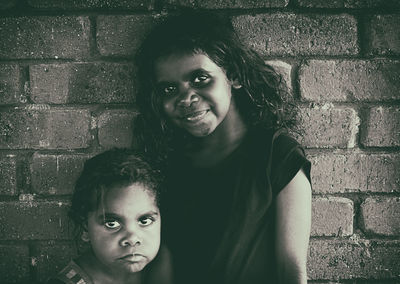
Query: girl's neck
x=210 y=150
x=100 y=274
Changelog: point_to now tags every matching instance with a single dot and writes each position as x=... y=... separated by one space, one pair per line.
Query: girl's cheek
x=168 y=105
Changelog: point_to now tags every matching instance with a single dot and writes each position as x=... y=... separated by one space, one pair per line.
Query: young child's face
x=124 y=232
x=196 y=92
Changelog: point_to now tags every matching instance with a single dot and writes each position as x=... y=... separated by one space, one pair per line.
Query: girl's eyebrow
x=150 y=213
x=187 y=76
x=108 y=215
x=197 y=72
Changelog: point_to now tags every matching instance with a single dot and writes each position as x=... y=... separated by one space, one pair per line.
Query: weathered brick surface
x=14 y=264
x=51 y=257
x=55 y=174
x=350 y=80
x=115 y=128
x=10 y=84
x=328 y=126
x=122 y=35
x=383 y=34
x=6 y=4
x=321 y=3
x=82 y=83
x=284 y=69
x=8 y=174
x=46 y=128
x=291 y=34
x=88 y=4
x=34 y=220
x=349 y=3
x=44 y=37
x=332 y=216
x=357 y=172
x=350 y=259
x=381 y=215
x=224 y=4
x=382 y=127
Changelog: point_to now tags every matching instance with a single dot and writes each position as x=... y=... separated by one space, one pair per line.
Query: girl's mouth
x=195 y=116
x=132 y=257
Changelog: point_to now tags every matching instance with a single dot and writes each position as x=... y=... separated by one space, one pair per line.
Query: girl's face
x=196 y=93
x=124 y=232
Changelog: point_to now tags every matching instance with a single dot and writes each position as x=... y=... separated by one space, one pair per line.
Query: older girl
x=238 y=198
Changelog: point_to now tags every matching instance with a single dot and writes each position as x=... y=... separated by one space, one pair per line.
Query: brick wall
x=67 y=92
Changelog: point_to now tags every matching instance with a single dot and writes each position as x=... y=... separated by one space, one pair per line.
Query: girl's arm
x=293 y=229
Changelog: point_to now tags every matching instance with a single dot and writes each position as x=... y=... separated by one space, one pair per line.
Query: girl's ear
x=85 y=233
x=236 y=85
x=85 y=236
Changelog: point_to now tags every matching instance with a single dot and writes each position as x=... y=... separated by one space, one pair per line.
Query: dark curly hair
x=110 y=169
x=262 y=100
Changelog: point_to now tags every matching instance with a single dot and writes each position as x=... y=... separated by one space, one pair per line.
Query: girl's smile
x=196 y=93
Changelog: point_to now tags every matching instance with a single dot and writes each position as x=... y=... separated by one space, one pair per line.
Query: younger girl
x=238 y=197
x=115 y=206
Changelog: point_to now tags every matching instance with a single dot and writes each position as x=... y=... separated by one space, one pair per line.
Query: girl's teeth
x=191 y=118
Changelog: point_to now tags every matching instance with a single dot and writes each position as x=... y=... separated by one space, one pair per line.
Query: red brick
x=14 y=263
x=122 y=35
x=383 y=34
x=332 y=216
x=38 y=126
x=356 y=172
x=10 y=84
x=52 y=257
x=115 y=128
x=33 y=220
x=44 y=37
x=381 y=215
x=55 y=174
x=329 y=127
x=351 y=259
x=229 y=4
x=350 y=80
x=382 y=127
x=349 y=3
x=82 y=83
x=8 y=175
x=291 y=34
x=92 y=4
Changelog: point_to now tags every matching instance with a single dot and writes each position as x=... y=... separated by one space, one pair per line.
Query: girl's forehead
x=135 y=197
x=176 y=65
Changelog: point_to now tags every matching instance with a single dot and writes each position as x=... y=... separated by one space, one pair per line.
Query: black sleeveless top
x=219 y=222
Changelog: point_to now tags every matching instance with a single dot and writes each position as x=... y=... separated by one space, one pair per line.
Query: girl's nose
x=188 y=98
x=130 y=239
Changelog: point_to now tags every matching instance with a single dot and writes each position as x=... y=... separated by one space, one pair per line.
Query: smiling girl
x=116 y=208
x=238 y=197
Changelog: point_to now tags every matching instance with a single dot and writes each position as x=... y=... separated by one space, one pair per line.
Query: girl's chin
x=134 y=267
x=200 y=132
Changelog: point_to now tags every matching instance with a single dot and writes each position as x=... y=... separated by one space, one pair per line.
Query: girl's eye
x=200 y=79
x=169 y=90
x=112 y=225
x=146 y=221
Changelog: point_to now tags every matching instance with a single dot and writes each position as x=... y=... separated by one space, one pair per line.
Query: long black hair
x=263 y=98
